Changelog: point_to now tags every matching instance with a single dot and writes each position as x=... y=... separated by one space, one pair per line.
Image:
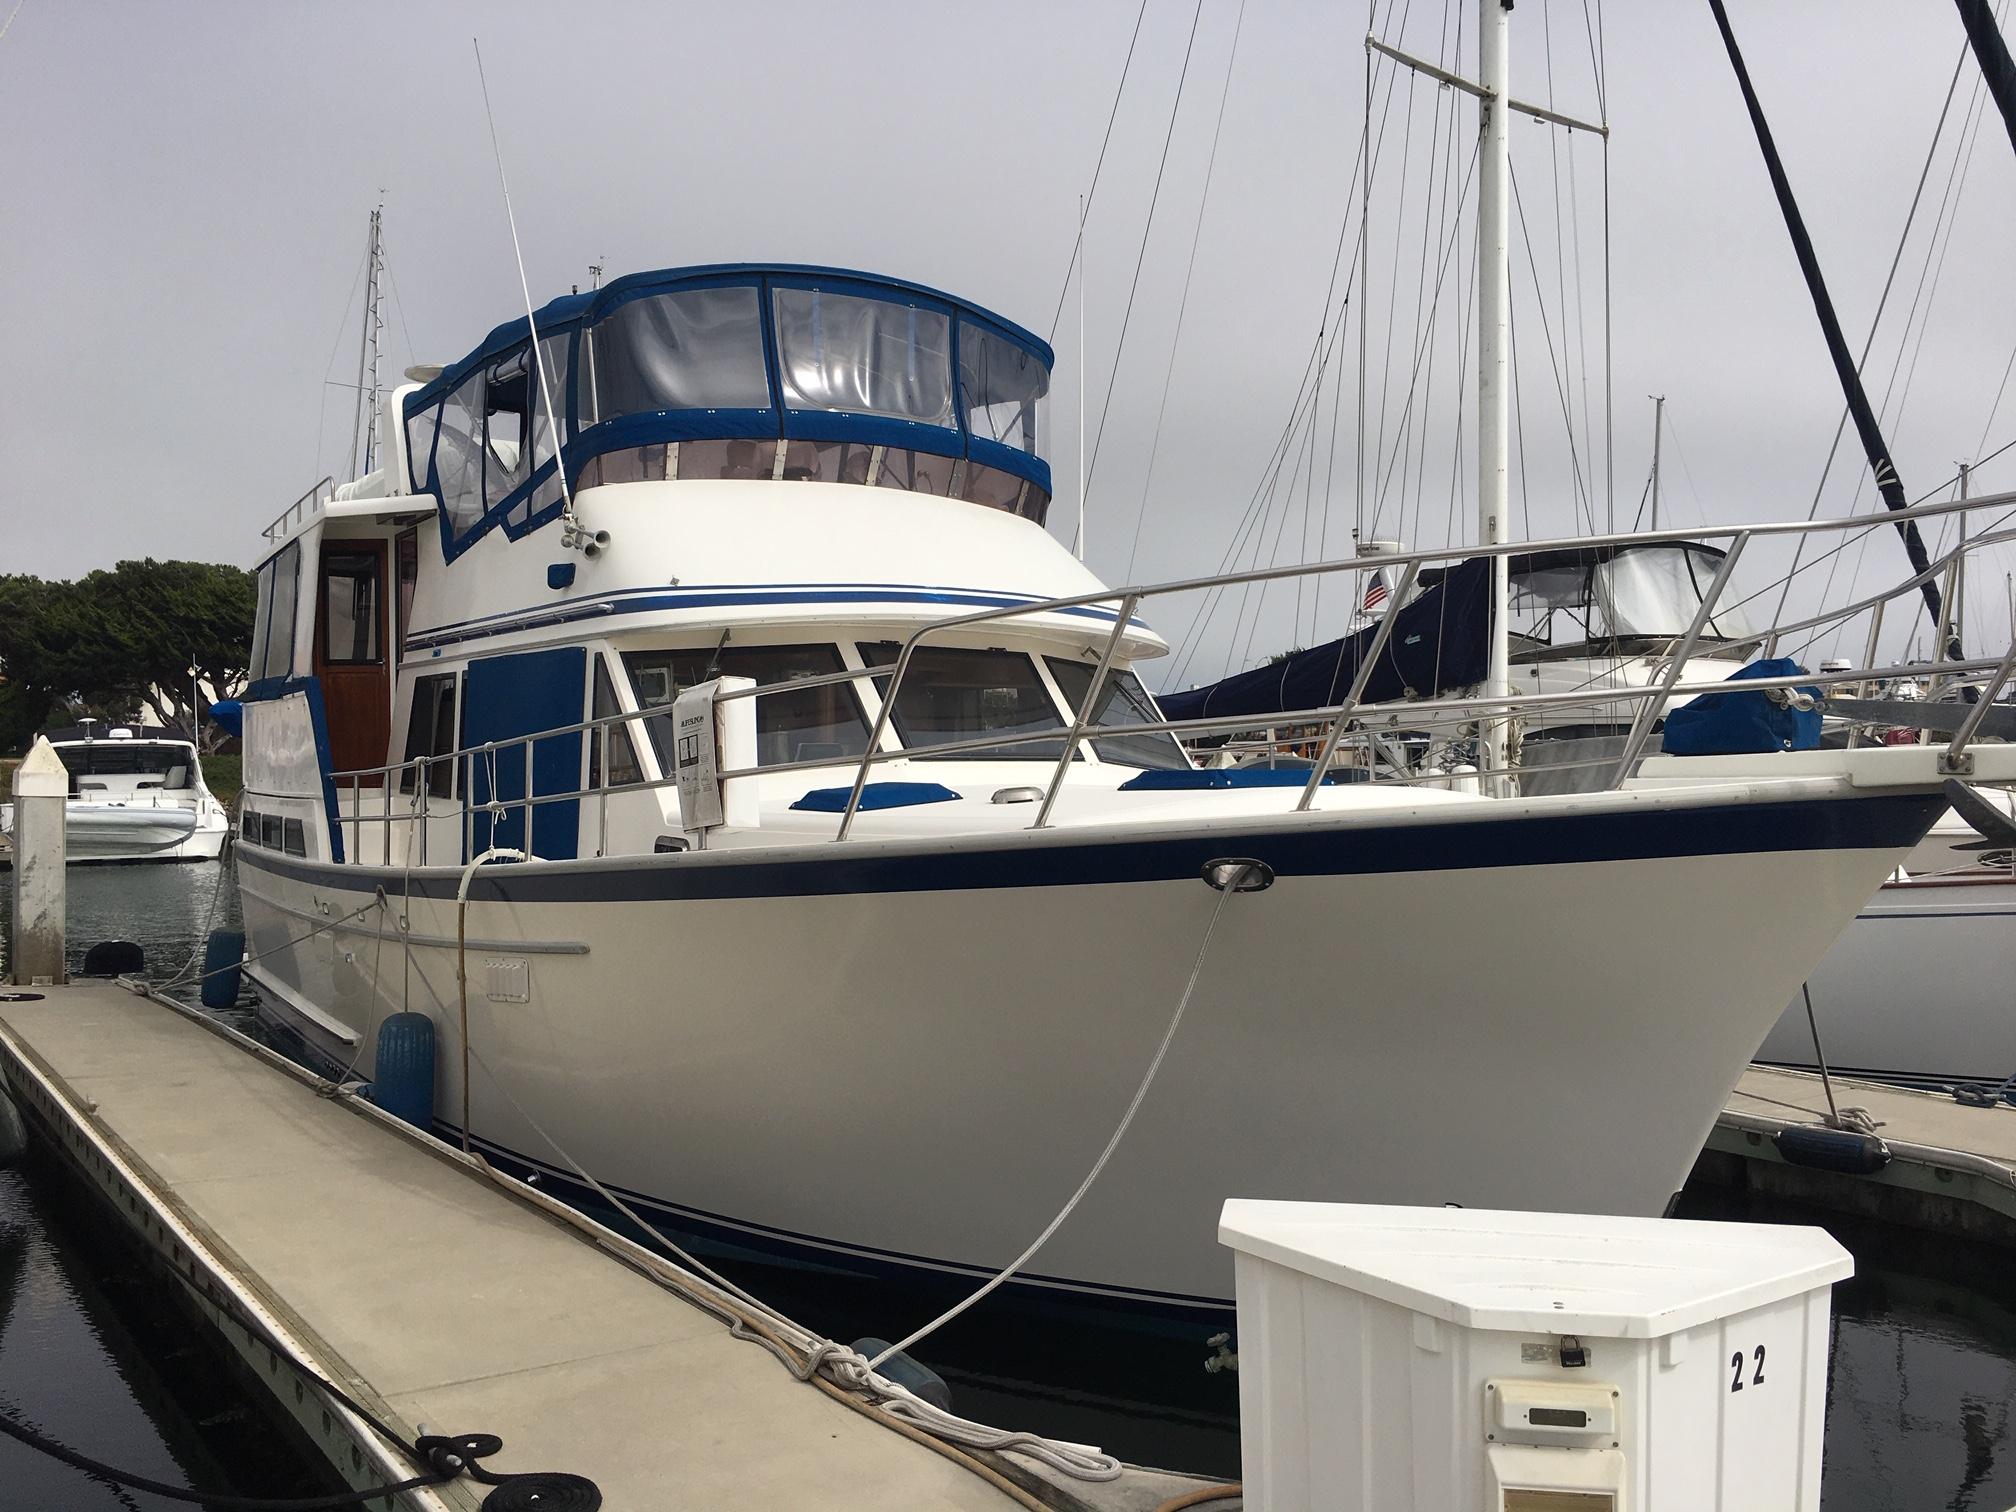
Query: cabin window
x=273 y=631
x=269 y=831
x=694 y=349
x=406 y=555
x=248 y=827
x=430 y=731
x=507 y=411
x=351 y=616
x=864 y=356
x=293 y=837
x=1000 y=385
x=623 y=768
x=1123 y=702
x=952 y=694
x=804 y=724
x=458 y=455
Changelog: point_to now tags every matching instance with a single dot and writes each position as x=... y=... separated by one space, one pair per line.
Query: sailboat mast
x=1494 y=399
x=1658 y=428
x=364 y=426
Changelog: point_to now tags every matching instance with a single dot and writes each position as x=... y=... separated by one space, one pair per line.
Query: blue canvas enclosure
x=510 y=696
x=1738 y=723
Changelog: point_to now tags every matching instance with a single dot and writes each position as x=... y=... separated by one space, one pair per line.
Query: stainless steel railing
x=1344 y=720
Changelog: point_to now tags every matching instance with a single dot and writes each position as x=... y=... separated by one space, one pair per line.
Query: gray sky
x=184 y=190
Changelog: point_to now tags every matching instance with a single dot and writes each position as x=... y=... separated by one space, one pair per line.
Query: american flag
x=1375 y=593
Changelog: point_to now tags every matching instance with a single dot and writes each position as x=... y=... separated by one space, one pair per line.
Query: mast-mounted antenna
x=364 y=424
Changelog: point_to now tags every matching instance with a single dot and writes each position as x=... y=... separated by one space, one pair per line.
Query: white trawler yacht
x=873 y=990
x=135 y=797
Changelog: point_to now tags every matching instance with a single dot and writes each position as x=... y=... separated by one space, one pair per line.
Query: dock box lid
x=1572 y=1273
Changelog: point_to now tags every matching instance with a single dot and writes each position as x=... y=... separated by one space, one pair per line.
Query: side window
x=269 y=831
x=352 y=611
x=406 y=551
x=420 y=443
x=248 y=827
x=294 y=840
x=623 y=768
x=286 y=568
x=262 y=619
x=430 y=731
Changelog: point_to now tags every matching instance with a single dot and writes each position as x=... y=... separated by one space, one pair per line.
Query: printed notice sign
x=696 y=757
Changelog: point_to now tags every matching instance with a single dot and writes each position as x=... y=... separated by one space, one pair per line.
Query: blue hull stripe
x=1293 y=849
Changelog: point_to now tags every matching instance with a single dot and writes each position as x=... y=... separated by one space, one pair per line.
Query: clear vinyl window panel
x=458 y=455
x=1002 y=386
x=952 y=694
x=806 y=724
x=864 y=356
x=693 y=349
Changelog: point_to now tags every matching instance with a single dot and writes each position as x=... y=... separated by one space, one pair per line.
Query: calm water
x=1920 y=1400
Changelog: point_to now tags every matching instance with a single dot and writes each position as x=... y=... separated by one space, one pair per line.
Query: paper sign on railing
x=709 y=738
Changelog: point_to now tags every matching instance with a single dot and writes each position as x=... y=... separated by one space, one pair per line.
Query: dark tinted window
x=951 y=694
x=1123 y=702
x=623 y=768
x=293 y=839
x=430 y=731
x=808 y=724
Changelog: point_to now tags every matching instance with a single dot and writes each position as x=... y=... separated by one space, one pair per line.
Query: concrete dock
x=1952 y=1167
x=438 y=1295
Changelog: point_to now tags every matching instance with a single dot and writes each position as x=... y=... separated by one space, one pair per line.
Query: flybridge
x=733 y=371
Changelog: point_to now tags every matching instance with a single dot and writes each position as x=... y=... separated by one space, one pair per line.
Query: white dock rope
x=808 y=1355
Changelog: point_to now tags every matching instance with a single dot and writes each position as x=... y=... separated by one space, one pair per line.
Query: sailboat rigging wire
x=1882 y=302
x=1085 y=208
x=1933 y=266
x=1119 y=1132
x=531 y=321
x=1554 y=366
x=10 y=17
x=1183 y=300
x=1140 y=258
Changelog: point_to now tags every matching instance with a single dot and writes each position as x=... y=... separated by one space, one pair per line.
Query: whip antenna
x=532 y=324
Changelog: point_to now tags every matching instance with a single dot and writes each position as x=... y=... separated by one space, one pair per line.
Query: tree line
x=109 y=643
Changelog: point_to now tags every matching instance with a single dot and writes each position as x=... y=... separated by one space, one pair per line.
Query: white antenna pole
x=1494 y=413
x=525 y=287
x=1658 y=428
x=364 y=422
x=1080 y=541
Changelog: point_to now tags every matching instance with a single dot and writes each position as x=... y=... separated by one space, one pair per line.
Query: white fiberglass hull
x=1921 y=987
x=911 y=1054
x=139 y=832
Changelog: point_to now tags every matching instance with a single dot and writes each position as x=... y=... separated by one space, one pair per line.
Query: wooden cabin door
x=352 y=656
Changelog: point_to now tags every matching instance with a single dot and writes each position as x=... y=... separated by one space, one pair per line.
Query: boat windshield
x=128 y=758
x=953 y=694
x=805 y=724
x=1125 y=702
x=1573 y=598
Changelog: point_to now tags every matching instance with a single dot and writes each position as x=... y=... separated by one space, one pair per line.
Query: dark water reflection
x=1921 y=1397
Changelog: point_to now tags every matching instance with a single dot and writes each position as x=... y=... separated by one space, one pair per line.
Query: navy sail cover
x=1442 y=640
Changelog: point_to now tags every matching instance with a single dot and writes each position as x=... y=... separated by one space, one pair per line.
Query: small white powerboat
x=136 y=798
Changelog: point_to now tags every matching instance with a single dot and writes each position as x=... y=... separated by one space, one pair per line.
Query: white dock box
x=1396 y=1359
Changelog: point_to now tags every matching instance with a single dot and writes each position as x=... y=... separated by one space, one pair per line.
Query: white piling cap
x=42 y=773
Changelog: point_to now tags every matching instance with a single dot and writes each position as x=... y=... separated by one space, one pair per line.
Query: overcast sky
x=184 y=192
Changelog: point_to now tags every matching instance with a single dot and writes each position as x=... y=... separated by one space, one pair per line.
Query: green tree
x=122 y=638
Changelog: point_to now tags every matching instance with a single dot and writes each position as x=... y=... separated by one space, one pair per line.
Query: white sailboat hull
x=910 y=1056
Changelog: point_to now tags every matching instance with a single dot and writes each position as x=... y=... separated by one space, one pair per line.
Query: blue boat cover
x=876 y=795
x=1739 y=723
x=1442 y=640
x=1172 y=780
